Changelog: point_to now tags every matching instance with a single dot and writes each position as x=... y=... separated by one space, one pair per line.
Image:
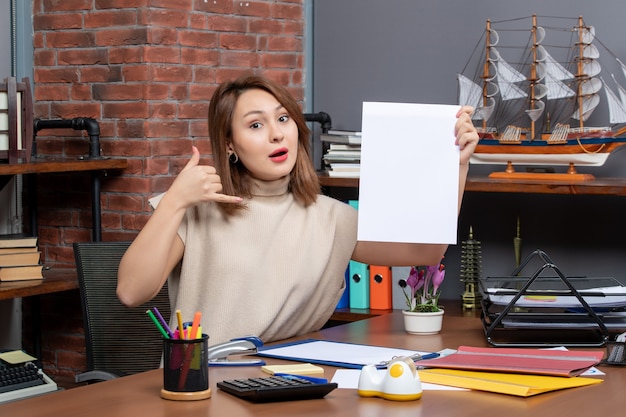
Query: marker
x=195 y=325
x=157 y=324
x=181 y=329
x=163 y=322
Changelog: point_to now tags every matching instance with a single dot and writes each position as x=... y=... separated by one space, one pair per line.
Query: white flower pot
x=422 y=323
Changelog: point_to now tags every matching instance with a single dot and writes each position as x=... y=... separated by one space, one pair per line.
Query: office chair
x=119 y=340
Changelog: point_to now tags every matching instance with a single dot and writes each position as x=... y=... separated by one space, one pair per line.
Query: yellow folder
x=522 y=385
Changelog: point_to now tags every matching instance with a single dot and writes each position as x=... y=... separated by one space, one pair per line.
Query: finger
x=194 y=160
x=465 y=109
x=223 y=198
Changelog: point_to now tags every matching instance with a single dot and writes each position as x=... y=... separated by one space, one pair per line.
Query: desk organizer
x=553 y=310
x=615 y=353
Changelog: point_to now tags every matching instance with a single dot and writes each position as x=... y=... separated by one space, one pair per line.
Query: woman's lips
x=279 y=155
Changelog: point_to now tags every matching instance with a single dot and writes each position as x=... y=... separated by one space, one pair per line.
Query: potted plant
x=421 y=289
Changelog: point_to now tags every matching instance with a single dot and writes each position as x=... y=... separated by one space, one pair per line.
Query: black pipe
x=322 y=118
x=91 y=126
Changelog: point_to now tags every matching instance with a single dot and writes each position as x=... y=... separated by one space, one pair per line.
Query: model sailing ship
x=534 y=111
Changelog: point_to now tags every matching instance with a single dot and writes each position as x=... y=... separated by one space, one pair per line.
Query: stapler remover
x=218 y=354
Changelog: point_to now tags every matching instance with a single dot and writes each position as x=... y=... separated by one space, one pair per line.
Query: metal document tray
x=554 y=310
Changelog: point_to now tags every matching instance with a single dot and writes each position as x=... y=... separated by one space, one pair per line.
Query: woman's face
x=265 y=137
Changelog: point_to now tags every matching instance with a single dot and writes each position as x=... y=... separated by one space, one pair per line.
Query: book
x=18 y=240
x=344 y=170
x=345 y=167
x=518 y=360
x=18 y=250
x=19 y=259
x=341 y=132
x=21 y=273
x=343 y=147
x=342 y=174
x=348 y=139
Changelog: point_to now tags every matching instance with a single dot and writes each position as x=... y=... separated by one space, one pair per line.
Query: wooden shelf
x=599 y=186
x=49 y=165
x=55 y=280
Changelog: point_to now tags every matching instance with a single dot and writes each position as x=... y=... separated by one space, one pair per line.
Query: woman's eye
x=255 y=125
x=283 y=118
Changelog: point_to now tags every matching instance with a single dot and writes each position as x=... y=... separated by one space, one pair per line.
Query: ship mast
x=486 y=75
x=533 y=75
x=580 y=74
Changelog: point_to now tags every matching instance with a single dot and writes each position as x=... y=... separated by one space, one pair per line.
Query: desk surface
x=138 y=395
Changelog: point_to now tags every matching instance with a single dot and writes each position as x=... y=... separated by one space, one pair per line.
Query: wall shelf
x=599 y=186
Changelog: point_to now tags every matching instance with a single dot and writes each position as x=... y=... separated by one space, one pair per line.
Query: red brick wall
x=145 y=70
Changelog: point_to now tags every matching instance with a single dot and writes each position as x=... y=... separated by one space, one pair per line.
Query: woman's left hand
x=466 y=134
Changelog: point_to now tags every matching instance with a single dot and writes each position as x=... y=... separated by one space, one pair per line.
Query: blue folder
x=297 y=351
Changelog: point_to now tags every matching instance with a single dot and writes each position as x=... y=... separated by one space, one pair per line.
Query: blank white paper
x=409 y=181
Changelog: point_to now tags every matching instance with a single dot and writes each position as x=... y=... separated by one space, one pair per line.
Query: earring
x=233 y=158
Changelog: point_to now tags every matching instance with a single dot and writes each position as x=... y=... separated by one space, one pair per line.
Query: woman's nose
x=276 y=133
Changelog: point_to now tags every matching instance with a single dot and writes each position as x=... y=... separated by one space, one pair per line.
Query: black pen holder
x=186 y=369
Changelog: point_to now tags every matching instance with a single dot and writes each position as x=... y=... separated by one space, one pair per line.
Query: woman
x=250 y=242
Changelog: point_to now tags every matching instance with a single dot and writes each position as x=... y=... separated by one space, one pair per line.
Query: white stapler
x=218 y=354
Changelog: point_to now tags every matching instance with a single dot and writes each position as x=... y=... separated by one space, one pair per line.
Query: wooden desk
x=138 y=395
x=55 y=280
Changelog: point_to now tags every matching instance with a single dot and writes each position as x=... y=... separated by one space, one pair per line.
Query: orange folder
x=380 y=287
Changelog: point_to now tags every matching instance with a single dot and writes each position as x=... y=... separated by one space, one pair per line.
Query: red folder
x=518 y=360
x=380 y=287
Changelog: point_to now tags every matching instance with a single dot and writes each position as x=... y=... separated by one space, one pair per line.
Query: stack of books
x=342 y=157
x=19 y=258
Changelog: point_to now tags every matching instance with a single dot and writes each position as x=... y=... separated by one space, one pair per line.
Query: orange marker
x=195 y=325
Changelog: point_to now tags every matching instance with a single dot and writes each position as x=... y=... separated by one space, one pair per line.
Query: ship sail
x=507 y=77
x=590 y=67
x=553 y=74
x=471 y=94
x=617 y=112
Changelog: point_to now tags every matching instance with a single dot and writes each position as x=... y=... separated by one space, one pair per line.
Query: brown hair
x=236 y=179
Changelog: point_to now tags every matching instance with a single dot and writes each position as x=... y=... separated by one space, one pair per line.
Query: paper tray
x=550 y=292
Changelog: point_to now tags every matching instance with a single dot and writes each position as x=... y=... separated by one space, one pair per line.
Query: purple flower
x=424 y=283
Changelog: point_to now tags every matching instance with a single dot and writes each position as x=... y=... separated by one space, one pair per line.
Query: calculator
x=280 y=387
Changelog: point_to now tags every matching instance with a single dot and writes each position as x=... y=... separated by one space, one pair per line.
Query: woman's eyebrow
x=279 y=107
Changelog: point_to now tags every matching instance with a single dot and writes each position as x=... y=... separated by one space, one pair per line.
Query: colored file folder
x=380 y=287
x=359 y=285
x=503 y=383
x=344 y=301
x=518 y=360
x=359 y=279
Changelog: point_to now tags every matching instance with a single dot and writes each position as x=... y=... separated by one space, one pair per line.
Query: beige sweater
x=275 y=270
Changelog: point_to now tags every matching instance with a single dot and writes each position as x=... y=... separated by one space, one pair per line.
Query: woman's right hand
x=198 y=184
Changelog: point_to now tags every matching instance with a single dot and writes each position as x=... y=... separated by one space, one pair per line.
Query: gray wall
x=410 y=51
